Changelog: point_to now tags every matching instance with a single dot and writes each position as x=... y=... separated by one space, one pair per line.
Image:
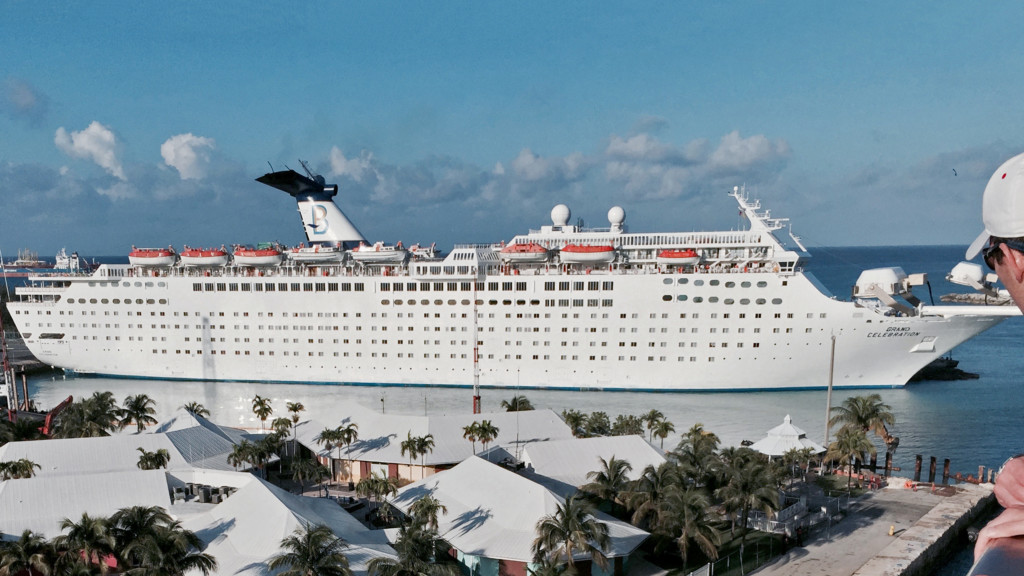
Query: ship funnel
x=321 y=217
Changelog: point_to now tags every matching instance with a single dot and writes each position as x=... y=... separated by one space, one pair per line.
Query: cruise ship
x=562 y=307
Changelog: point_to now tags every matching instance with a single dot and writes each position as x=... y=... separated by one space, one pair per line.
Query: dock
x=925 y=524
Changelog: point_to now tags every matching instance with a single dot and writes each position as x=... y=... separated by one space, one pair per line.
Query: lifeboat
x=528 y=252
x=687 y=257
x=379 y=253
x=587 y=254
x=264 y=254
x=152 y=257
x=316 y=254
x=204 y=257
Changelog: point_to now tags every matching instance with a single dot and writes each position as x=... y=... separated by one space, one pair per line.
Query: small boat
x=204 y=257
x=152 y=257
x=423 y=252
x=586 y=254
x=316 y=254
x=379 y=253
x=687 y=257
x=264 y=254
x=524 y=253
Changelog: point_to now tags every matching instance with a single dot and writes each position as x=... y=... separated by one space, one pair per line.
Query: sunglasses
x=989 y=252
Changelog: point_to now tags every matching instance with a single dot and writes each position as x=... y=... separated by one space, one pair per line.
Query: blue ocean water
x=971 y=422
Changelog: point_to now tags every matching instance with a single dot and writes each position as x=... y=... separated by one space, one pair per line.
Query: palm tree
x=347 y=435
x=89 y=540
x=20 y=430
x=486 y=433
x=575 y=420
x=138 y=409
x=517 y=404
x=29 y=554
x=241 y=454
x=262 y=409
x=684 y=516
x=647 y=492
x=294 y=408
x=867 y=413
x=749 y=485
x=850 y=443
x=426 y=510
x=132 y=523
x=311 y=551
x=651 y=419
x=696 y=454
x=169 y=550
x=662 y=428
x=471 y=432
x=20 y=468
x=598 y=424
x=307 y=469
x=424 y=445
x=97 y=415
x=417 y=550
x=153 y=460
x=571 y=529
x=610 y=481
x=628 y=425
x=410 y=446
x=281 y=426
x=197 y=409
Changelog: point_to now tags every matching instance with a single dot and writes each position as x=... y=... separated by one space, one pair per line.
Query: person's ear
x=1014 y=261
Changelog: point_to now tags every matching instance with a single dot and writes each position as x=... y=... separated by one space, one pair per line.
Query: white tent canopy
x=784 y=438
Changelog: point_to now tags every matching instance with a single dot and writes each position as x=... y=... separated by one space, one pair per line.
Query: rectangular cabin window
x=358 y=286
x=197 y=287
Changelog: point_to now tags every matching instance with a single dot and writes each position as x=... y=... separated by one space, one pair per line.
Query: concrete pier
x=924 y=525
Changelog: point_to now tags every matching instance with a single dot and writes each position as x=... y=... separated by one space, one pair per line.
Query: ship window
x=424 y=302
x=346 y=287
x=730 y=284
x=713 y=299
x=548 y=286
x=438 y=302
x=667 y=298
x=295 y=287
x=683 y=280
x=698 y=282
x=387 y=302
x=163 y=301
x=563 y=285
x=577 y=285
x=270 y=287
x=762 y=284
x=714 y=282
x=666 y=281
x=522 y=286
x=697 y=299
x=104 y=301
x=233 y=287
x=385 y=287
x=92 y=301
x=424 y=286
x=776 y=300
x=221 y=286
x=745 y=285
x=258 y=287
x=358 y=287
x=410 y=287
x=744 y=301
x=760 y=300
x=728 y=301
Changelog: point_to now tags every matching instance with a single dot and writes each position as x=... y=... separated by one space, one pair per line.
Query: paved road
x=858 y=537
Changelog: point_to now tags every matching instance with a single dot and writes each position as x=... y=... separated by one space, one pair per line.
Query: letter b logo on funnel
x=318 y=219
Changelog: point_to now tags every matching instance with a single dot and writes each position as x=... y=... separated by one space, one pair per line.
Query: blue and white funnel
x=322 y=219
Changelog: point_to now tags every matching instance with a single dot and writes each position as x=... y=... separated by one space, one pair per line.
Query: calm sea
x=972 y=422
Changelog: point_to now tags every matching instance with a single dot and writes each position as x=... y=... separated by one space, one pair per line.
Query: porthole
x=730 y=284
x=698 y=282
x=438 y=302
x=728 y=301
x=163 y=301
x=424 y=302
x=666 y=281
x=412 y=303
x=398 y=302
x=745 y=285
x=760 y=301
x=776 y=300
x=762 y=284
x=713 y=299
x=681 y=298
x=72 y=301
x=683 y=280
x=92 y=300
x=451 y=302
x=385 y=302
x=150 y=301
x=117 y=301
x=667 y=298
x=104 y=301
x=697 y=299
x=744 y=301
x=714 y=282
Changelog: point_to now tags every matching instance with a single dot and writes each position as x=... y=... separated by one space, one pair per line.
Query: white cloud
x=188 y=154
x=22 y=100
x=354 y=168
x=96 y=143
x=737 y=153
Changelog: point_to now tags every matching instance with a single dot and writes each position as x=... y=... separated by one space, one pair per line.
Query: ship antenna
x=306 y=168
x=271 y=165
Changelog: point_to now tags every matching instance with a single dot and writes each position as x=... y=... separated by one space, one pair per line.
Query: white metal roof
x=493 y=512
x=563 y=465
x=381 y=435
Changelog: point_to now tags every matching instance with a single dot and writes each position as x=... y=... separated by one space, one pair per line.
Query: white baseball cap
x=1002 y=207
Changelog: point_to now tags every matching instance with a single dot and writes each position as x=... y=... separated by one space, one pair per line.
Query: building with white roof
x=563 y=465
x=492 y=518
x=785 y=437
x=379 y=446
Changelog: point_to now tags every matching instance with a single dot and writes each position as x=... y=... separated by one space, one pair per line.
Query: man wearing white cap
x=1002 y=245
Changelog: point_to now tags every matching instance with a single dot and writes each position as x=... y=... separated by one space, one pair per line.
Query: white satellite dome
x=616 y=216
x=560 y=215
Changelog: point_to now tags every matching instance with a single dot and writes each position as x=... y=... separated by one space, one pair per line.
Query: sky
x=144 y=123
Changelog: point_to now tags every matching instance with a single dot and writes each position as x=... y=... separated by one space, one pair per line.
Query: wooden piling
x=917 y=468
x=945 y=471
x=931 y=470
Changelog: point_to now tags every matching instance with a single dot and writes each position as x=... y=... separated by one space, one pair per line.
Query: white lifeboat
x=264 y=254
x=587 y=254
x=686 y=257
x=316 y=254
x=152 y=257
x=379 y=253
x=423 y=252
x=204 y=257
x=527 y=252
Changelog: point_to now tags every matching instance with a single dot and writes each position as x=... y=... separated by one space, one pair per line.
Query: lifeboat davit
x=264 y=254
x=316 y=254
x=423 y=252
x=587 y=254
x=528 y=252
x=379 y=253
x=152 y=257
x=204 y=257
x=687 y=257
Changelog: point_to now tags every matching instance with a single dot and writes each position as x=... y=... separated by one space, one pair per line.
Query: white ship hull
x=353 y=337
x=749 y=318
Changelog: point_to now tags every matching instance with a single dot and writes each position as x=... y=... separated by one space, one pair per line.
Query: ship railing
x=43 y=290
